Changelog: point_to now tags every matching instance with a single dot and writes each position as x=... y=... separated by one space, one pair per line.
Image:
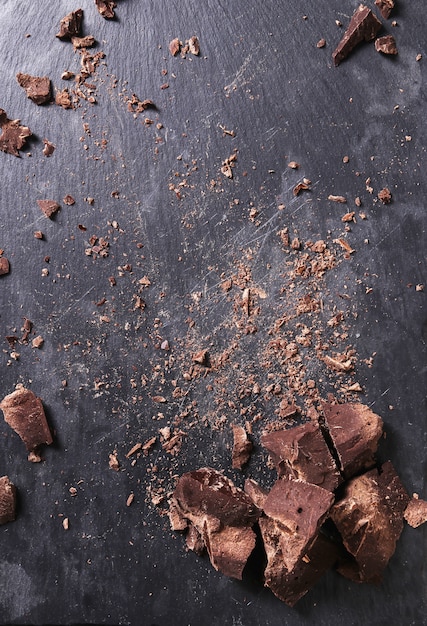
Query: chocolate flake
x=386 y=44
x=416 y=512
x=37 y=88
x=24 y=412
x=48 y=207
x=363 y=26
x=385 y=7
x=70 y=25
x=7 y=500
x=13 y=135
x=106 y=8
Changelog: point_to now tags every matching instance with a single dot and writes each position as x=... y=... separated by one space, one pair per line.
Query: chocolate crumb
x=106 y=8
x=386 y=44
x=70 y=25
x=321 y=43
x=68 y=200
x=7 y=500
x=4 y=266
x=48 y=207
x=385 y=195
x=38 y=234
x=13 y=135
x=49 y=148
x=63 y=99
x=242 y=447
x=83 y=42
x=385 y=7
x=416 y=512
x=175 y=46
x=194 y=45
x=37 y=88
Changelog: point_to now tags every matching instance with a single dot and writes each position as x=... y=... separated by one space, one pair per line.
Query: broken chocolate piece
x=385 y=195
x=174 y=46
x=301 y=452
x=4 y=266
x=7 y=500
x=63 y=99
x=222 y=515
x=13 y=135
x=194 y=45
x=71 y=25
x=299 y=509
x=364 y=26
x=355 y=431
x=242 y=447
x=49 y=148
x=37 y=88
x=386 y=44
x=106 y=8
x=416 y=512
x=385 y=7
x=370 y=520
x=49 y=207
x=83 y=42
x=24 y=412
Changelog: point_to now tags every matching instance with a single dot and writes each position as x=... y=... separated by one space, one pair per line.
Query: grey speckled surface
x=261 y=75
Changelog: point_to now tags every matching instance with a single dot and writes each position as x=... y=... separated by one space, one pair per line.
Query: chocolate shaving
x=13 y=135
x=37 y=88
x=364 y=26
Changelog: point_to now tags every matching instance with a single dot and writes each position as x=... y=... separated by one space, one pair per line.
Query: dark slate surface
x=261 y=75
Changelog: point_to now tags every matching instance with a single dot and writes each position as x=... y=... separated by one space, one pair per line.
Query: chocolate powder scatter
x=48 y=148
x=48 y=207
x=385 y=7
x=71 y=25
x=24 y=412
x=386 y=44
x=416 y=512
x=4 y=266
x=13 y=135
x=7 y=500
x=106 y=8
x=242 y=447
x=364 y=26
x=37 y=88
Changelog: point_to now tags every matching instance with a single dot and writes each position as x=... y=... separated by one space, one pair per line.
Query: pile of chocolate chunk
x=331 y=506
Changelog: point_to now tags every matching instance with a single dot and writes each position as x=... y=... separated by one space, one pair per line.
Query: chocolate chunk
x=37 y=88
x=355 y=431
x=71 y=25
x=13 y=135
x=301 y=452
x=386 y=44
x=242 y=447
x=363 y=26
x=194 y=45
x=385 y=195
x=385 y=7
x=416 y=512
x=7 y=500
x=4 y=266
x=24 y=412
x=49 y=207
x=222 y=515
x=299 y=509
x=370 y=520
x=174 y=46
x=106 y=8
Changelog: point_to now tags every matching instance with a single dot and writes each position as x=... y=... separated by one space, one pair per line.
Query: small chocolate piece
x=386 y=44
x=355 y=431
x=242 y=447
x=385 y=195
x=71 y=25
x=49 y=207
x=385 y=7
x=300 y=509
x=49 y=148
x=37 y=88
x=194 y=45
x=364 y=26
x=416 y=512
x=13 y=135
x=4 y=266
x=7 y=500
x=222 y=515
x=301 y=452
x=24 y=412
x=370 y=520
x=174 y=46
x=83 y=42
x=106 y=8
x=63 y=99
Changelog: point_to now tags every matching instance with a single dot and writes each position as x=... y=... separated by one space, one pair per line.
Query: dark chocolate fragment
x=24 y=412
x=174 y=46
x=106 y=8
x=355 y=431
x=71 y=25
x=386 y=44
x=49 y=148
x=242 y=447
x=416 y=512
x=7 y=500
x=364 y=26
x=4 y=266
x=370 y=520
x=301 y=452
x=37 y=88
x=13 y=135
x=222 y=515
x=385 y=7
x=49 y=207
